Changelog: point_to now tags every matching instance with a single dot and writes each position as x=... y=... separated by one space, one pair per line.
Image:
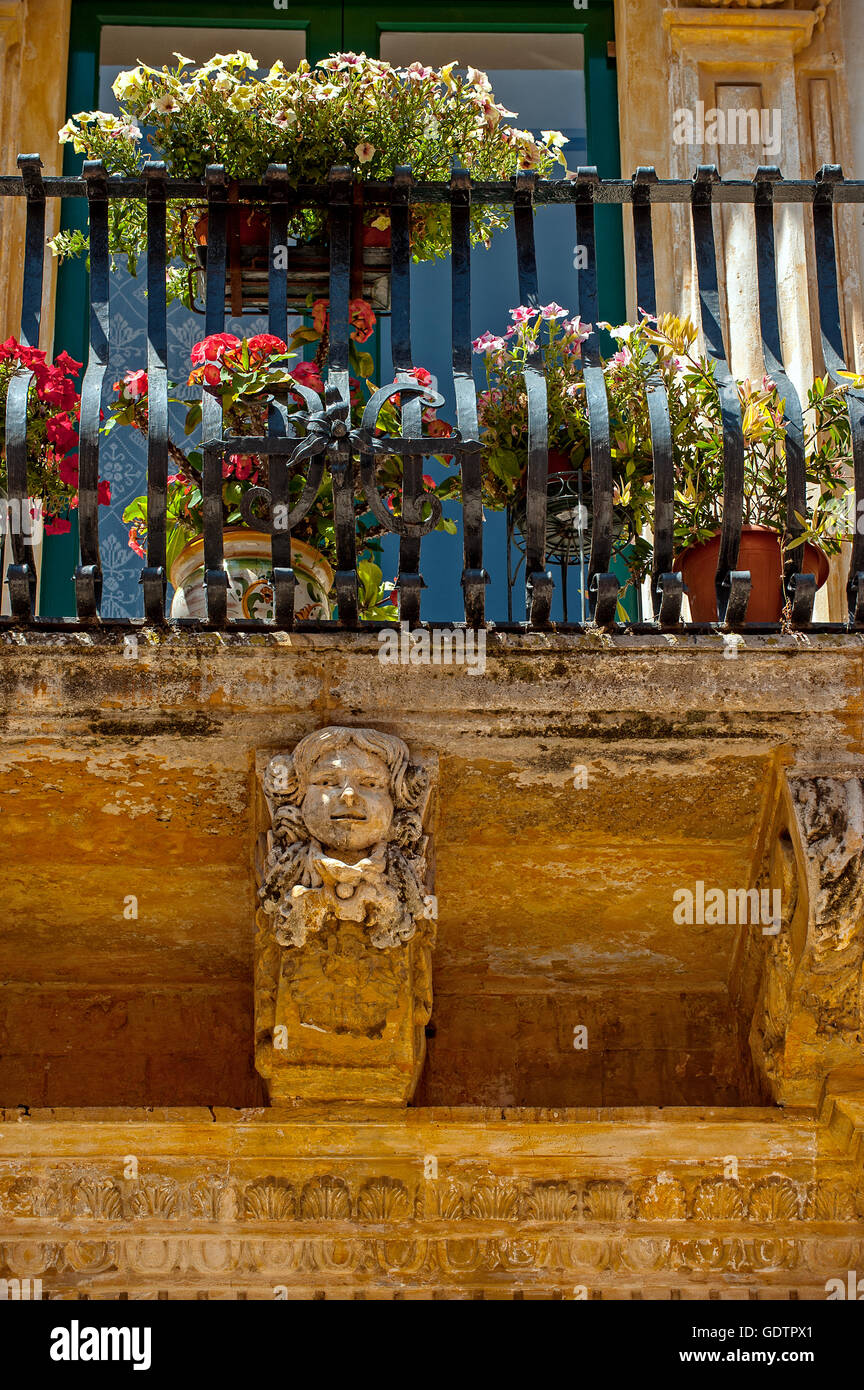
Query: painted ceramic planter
x=250 y=589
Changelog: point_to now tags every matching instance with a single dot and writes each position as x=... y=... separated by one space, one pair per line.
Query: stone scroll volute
x=346 y=919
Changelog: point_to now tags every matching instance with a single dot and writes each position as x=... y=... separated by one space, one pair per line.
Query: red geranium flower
x=67 y=363
x=214 y=348
x=265 y=345
x=55 y=389
x=56 y=526
x=61 y=432
x=68 y=470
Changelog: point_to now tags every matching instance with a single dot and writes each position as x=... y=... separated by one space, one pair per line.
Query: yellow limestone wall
x=34 y=53
x=704 y=1142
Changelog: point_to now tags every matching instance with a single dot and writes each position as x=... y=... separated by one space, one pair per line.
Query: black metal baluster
x=602 y=585
x=667 y=590
x=409 y=581
x=215 y=574
x=153 y=576
x=733 y=585
x=828 y=180
x=21 y=572
x=88 y=574
x=276 y=180
x=474 y=576
x=801 y=587
x=538 y=580
x=341 y=460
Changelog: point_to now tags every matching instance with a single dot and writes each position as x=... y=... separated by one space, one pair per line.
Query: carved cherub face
x=347 y=802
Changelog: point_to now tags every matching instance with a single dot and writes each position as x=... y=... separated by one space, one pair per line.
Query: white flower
x=446 y=75
x=622 y=333
x=126 y=83
x=364 y=151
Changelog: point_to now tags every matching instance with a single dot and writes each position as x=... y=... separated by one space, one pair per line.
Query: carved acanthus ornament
x=809 y=1015
x=346 y=923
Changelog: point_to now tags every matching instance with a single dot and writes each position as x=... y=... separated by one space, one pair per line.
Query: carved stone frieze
x=271 y=1234
x=343 y=984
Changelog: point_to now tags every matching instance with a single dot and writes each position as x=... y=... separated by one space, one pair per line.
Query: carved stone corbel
x=808 y=1018
x=346 y=923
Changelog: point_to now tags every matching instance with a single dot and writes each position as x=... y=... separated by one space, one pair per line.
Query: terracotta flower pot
x=760 y=553
x=250 y=590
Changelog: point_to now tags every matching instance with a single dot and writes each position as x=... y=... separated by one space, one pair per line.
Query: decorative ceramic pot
x=759 y=553
x=250 y=589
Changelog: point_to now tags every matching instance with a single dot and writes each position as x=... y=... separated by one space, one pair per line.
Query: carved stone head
x=348 y=789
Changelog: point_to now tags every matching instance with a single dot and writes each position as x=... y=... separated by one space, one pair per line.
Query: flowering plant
x=248 y=375
x=347 y=110
x=503 y=405
x=697 y=430
x=697 y=433
x=53 y=410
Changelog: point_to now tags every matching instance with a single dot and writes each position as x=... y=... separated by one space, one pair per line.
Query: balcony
x=581 y=776
x=321 y=445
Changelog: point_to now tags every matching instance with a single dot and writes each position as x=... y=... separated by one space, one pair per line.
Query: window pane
x=542 y=78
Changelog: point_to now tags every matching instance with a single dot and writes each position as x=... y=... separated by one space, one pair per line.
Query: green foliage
x=697 y=431
x=348 y=110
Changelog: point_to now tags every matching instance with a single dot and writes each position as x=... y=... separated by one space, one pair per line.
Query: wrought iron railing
x=349 y=454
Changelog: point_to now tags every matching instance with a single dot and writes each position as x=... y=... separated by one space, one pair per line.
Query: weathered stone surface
x=137 y=779
x=555 y=1203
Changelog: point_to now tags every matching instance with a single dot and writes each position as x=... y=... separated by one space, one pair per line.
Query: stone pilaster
x=34 y=56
